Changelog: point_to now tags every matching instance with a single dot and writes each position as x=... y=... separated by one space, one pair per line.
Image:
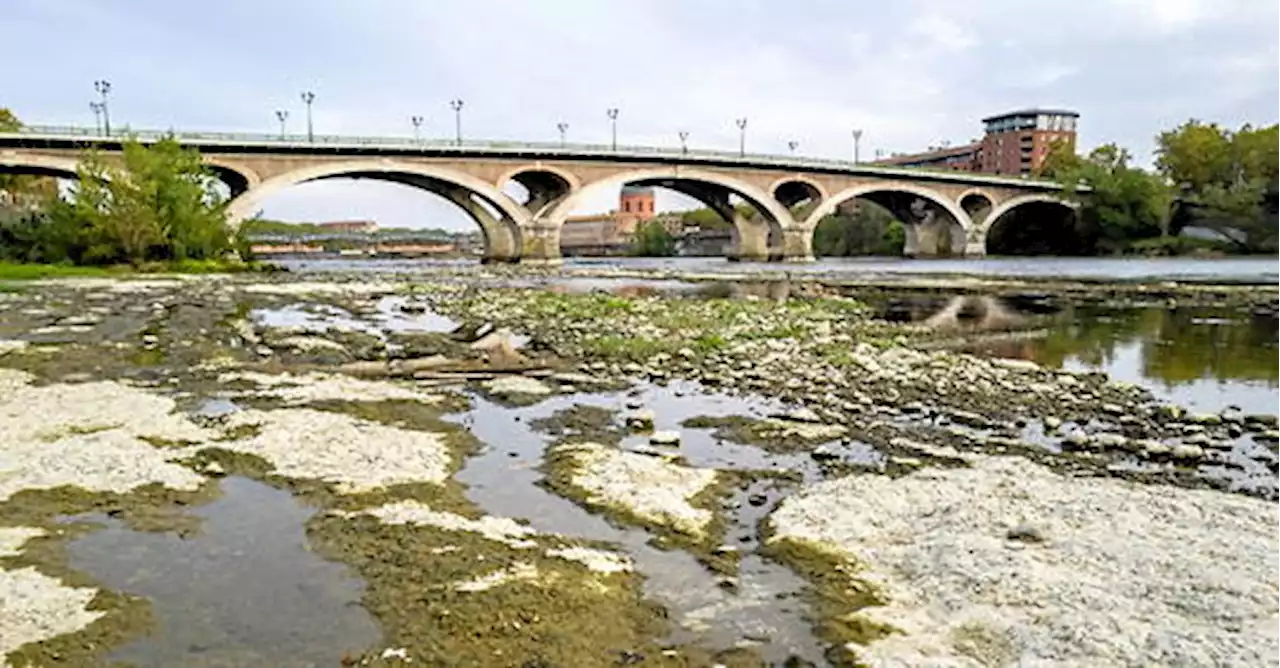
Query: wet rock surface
x=738 y=476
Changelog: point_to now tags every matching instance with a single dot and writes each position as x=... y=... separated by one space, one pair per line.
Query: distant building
x=608 y=232
x=1014 y=143
x=1017 y=142
x=350 y=226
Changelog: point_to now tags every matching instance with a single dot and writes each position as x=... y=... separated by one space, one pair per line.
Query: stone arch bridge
x=943 y=211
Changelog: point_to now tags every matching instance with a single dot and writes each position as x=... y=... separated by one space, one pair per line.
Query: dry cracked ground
x=521 y=477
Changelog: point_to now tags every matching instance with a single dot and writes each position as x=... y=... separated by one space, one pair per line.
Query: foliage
x=708 y=220
x=653 y=240
x=158 y=204
x=1119 y=203
x=864 y=228
x=1226 y=181
x=11 y=271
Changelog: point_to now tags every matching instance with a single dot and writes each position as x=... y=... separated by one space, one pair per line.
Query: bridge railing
x=437 y=145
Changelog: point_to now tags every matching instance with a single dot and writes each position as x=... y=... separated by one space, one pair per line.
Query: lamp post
x=684 y=142
x=103 y=87
x=307 y=98
x=562 y=127
x=417 y=127
x=456 y=105
x=742 y=137
x=857 y=139
x=792 y=145
x=282 y=115
x=613 y=122
x=96 y=107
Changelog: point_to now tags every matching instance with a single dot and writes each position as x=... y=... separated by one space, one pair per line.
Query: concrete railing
x=294 y=142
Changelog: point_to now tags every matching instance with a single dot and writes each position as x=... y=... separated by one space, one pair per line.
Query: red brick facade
x=1014 y=143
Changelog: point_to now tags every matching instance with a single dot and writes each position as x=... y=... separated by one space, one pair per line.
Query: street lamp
x=684 y=142
x=103 y=87
x=613 y=121
x=562 y=127
x=307 y=98
x=97 y=116
x=456 y=105
x=417 y=127
x=282 y=115
x=792 y=145
x=742 y=137
x=857 y=138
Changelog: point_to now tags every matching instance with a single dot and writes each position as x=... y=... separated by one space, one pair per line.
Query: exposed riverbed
x=489 y=467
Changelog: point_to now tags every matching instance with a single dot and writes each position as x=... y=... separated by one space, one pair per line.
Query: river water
x=1253 y=269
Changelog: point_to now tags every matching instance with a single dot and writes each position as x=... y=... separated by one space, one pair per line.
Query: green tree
x=1225 y=181
x=158 y=204
x=653 y=240
x=1119 y=203
x=863 y=228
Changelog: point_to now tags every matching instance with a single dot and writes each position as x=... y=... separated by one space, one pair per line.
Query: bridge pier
x=750 y=241
x=540 y=244
x=797 y=244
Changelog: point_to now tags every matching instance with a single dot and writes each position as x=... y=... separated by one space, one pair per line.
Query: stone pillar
x=750 y=241
x=926 y=238
x=797 y=244
x=911 y=246
x=540 y=244
x=976 y=242
x=500 y=239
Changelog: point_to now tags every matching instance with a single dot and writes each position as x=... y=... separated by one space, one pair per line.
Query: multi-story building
x=1014 y=143
x=1017 y=142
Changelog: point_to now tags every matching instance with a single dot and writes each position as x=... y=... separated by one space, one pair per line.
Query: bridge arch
x=795 y=190
x=38 y=165
x=237 y=178
x=923 y=237
x=978 y=203
x=546 y=185
x=478 y=198
x=1059 y=232
x=756 y=239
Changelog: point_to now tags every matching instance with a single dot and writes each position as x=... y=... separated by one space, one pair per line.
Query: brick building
x=1014 y=143
x=616 y=228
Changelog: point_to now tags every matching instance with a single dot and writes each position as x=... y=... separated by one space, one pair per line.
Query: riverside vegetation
x=459 y=443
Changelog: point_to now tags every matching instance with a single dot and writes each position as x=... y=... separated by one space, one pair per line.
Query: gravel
x=356 y=454
x=1127 y=574
x=311 y=387
x=651 y=488
x=89 y=435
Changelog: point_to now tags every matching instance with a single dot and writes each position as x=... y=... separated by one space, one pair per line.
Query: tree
x=863 y=228
x=158 y=204
x=653 y=240
x=1226 y=181
x=22 y=190
x=1119 y=203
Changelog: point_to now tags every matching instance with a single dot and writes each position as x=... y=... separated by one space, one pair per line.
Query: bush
x=653 y=240
x=160 y=206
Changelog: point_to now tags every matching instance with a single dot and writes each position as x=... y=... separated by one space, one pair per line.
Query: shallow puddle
x=245 y=591
x=763 y=612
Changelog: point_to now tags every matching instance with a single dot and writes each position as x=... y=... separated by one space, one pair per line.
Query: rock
x=686 y=353
x=1025 y=533
x=1260 y=419
x=214 y=469
x=1270 y=435
x=508 y=386
x=366 y=369
x=1171 y=411
x=1184 y=451
x=1155 y=448
x=968 y=418
x=1052 y=423
x=802 y=415
x=823 y=453
x=641 y=419
x=416 y=364
x=728 y=584
x=1209 y=419
x=665 y=438
x=1111 y=441
x=724 y=550
x=570 y=378
x=633 y=402
x=757 y=499
x=263 y=351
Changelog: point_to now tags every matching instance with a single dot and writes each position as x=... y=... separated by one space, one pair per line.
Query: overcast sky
x=910 y=73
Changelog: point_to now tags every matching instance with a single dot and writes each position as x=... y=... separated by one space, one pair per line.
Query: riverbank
x=503 y=459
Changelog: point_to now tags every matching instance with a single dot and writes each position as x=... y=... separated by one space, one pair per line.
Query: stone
x=802 y=415
x=757 y=499
x=823 y=453
x=665 y=438
x=640 y=419
x=507 y=386
x=1052 y=423
x=1184 y=451
x=1025 y=533
x=1208 y=419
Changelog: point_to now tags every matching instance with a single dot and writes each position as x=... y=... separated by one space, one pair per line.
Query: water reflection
x=1208 y=358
